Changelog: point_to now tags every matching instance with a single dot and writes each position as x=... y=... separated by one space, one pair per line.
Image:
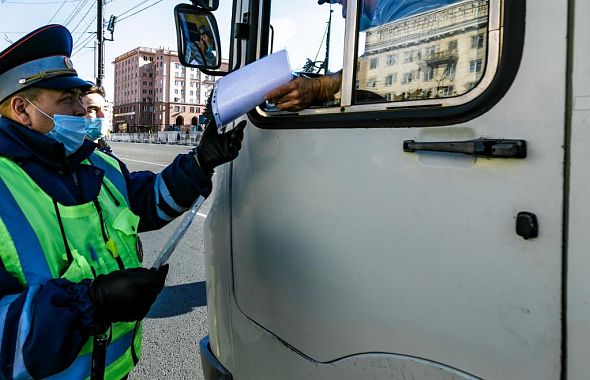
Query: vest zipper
x=110 y=244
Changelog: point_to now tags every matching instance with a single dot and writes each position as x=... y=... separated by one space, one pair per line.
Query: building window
x=408 y=57
x=389 y=80
x=475 y=66
x=407 y=78
x=450 y=71
x=373 y=62
x=448 y=91
x=371 y=82
x=391 y=59
x=429 y=73
x=477 y=41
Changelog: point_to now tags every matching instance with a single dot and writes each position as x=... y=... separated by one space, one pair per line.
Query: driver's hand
x=301 y=92
x=296 y=95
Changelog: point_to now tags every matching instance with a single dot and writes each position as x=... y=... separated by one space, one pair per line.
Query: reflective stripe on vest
x=31 y=268
x=118 y=350
x=37 y=255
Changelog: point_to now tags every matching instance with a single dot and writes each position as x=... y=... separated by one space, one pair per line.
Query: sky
x=154 y=27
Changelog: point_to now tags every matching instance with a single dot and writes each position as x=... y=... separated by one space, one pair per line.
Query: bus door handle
x=489 y=148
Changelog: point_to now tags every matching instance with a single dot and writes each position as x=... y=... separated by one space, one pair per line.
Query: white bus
x=427 y=223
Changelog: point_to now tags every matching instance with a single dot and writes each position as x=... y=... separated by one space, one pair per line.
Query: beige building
x=154 y=92
x=440 y=53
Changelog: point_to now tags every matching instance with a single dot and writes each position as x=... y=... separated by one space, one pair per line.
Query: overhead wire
x=58 y=9
x=84 y=17
x=139 y=11
x=38 y=2
x=83 y=54
x=83 y=40
x=132 y=8
x=74 y=12
x=81 y=44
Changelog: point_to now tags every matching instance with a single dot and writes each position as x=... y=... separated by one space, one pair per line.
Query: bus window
x=417 y=50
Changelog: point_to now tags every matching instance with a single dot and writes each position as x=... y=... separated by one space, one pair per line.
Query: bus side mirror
x=197 y=35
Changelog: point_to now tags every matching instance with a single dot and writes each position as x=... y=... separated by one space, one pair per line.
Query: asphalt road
x=178 y=319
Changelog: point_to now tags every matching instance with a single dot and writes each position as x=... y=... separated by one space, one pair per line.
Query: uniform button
x=97 y=172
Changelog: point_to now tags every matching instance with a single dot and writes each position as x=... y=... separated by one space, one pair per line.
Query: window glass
x=313 y=35
x=420 y=49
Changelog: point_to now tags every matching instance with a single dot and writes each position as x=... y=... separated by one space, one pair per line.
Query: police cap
x=40 y=59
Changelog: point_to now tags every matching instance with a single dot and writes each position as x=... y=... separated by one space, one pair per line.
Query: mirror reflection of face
x=207 y=43
x=200 y=46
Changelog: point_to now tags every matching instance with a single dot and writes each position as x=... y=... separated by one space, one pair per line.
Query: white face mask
x=68 y=130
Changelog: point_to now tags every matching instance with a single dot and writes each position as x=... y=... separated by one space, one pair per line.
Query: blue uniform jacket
x=63 y=315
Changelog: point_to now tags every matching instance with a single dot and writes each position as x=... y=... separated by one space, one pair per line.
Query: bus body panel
x=332 y=248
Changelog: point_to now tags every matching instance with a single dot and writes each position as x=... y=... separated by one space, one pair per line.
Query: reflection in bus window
x=426 y=52
x=304 y=31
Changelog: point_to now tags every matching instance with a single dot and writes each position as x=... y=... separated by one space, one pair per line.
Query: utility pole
x=327 y=42
x=100 y=42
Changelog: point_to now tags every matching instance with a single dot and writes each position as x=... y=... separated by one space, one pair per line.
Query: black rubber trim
x=212 y=368
x=511 y=54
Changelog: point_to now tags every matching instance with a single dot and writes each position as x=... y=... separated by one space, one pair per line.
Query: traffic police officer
x=70 y=270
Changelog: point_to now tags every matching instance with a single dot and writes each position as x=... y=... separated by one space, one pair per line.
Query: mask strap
x=38 y=109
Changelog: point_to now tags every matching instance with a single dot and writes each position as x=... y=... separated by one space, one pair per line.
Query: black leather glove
x=215 y=149
x=126 y=295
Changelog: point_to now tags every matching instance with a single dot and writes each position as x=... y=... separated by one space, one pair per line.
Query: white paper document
x=240 y=91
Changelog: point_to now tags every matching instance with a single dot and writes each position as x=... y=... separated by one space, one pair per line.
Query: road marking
x=143 y=162
x=202 y=215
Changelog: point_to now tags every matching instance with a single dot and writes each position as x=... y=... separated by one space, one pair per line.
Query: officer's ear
x=18 y=108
